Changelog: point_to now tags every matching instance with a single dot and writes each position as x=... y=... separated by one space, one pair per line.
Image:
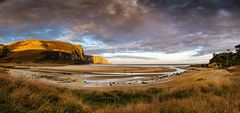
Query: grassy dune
x=197 y=92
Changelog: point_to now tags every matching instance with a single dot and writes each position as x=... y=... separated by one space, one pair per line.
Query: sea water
x=132 y=78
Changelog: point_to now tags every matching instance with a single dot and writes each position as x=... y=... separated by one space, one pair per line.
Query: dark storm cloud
x=188 y=4
x=98 y=17
x=1 y=1
x=126 y=25
x=211 y=24
x=109 y=12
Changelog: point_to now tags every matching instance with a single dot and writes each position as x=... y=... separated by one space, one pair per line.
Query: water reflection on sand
x=91 y=80
x=98 y=76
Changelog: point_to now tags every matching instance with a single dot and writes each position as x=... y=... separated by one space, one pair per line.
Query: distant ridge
x=46 y=51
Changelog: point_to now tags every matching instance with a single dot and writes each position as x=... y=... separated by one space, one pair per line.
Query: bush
x=224 y=60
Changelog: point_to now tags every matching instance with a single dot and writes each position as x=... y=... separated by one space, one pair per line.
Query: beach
x=94 y=76
x=112 y=77
x=211 y=89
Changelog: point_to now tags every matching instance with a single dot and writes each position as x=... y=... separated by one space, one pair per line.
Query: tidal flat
x=92 y=76
x=197 y=90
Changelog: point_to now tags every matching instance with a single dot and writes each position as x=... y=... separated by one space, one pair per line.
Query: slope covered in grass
x=199 y=95
x=46 y=51
x=46 y=45
x=37 y=51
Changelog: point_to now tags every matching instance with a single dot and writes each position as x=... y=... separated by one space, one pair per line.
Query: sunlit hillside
x=47 y=51
x=119 y=56
x=44 y=45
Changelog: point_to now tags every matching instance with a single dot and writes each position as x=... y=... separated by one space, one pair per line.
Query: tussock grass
x=18 y=95
x=24 y=96
x=3 y=71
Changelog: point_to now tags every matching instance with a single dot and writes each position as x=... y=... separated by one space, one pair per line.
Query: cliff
x=96 y=59
x=42 y=51
x=3 y=51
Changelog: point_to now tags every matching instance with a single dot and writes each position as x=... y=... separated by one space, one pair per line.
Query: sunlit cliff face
x=128 y=31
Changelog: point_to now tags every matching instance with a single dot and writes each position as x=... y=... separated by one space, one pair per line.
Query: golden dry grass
x=26 y=45
x=44 y=45
x=204 y=91
x=198 y=77
x=43 y=51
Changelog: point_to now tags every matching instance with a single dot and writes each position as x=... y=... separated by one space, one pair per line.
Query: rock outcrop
x=96 y=59
x=3 y=51
x=43 y=51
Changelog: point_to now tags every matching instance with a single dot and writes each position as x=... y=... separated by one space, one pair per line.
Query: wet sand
x=92 y=76
x=194 y=76
x=107 y=68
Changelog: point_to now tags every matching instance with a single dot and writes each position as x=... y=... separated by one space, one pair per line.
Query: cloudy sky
x=128 y=31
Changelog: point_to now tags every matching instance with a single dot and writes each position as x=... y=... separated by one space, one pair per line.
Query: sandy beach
x=107 y=68
x=107 y=78
x=93 y=76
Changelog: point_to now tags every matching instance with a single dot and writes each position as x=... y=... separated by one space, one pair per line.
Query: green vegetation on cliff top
x=227 y=59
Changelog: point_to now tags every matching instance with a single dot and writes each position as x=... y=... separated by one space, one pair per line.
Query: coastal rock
x=3 y=51
x=96 y=59
x=213 y=65
x=43 y=51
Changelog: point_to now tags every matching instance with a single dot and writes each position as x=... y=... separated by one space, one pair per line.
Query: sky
x=128 y=31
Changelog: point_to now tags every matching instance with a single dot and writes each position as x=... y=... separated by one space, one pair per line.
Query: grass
x=3 y=71
x=22 y=96
x=40 y=51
